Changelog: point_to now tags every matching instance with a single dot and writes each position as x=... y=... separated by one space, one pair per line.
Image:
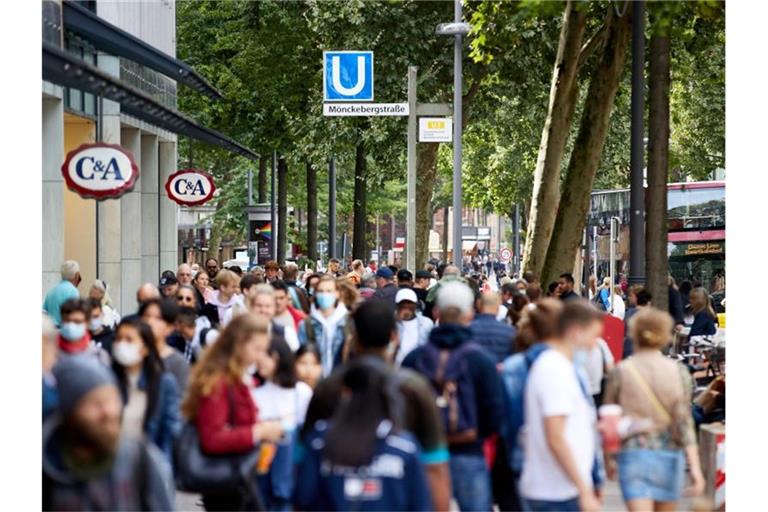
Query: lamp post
x=457 y=29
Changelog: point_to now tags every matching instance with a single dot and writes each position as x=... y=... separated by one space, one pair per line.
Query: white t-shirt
x=552 y=389
x=409 y=338
x=599 y=357
x=287 y=405
x=619 y=308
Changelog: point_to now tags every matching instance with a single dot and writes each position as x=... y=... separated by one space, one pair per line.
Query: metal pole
x=586 y=272
x=378 y=239
x=332 y=208
x=594 y=250
x=250 y=187
x=410 y=240
x=457 y=90
x=273 y=205
x=517 y=240
x=637 y=193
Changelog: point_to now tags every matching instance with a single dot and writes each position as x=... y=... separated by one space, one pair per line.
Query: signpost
x=435 y=129
x=505 y=254
x=100 y=170
x=190 y=187
x=348 y=76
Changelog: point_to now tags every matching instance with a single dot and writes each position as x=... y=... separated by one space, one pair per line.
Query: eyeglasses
x=185 y=299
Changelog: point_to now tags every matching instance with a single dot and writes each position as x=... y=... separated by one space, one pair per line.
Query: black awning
x=111 y=39
x=63 y=68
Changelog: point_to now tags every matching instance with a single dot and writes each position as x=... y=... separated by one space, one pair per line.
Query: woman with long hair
x=703 y=314
x=361 y=458
x=150 y=394
x=654 y=392
x=219 y=399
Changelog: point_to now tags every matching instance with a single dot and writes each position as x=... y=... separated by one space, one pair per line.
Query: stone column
x=169 y=230
x=132 y=227
x=53 y=189
x=150 y=226
x=109 y=218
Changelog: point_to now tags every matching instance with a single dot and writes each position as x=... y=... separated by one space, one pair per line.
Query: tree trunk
x=656 y=261
x=562 y=103
x=587 y=150
x=445 y=234
x=311 y=212
x=282 y=208
x=360 y=222
x=426 y=173
x=262 y=195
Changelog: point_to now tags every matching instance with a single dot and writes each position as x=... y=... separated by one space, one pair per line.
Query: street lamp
x=457 y=29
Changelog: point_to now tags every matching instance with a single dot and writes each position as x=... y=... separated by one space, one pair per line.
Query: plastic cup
x=610 y=416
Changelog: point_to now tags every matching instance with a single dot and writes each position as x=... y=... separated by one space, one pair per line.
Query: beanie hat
x=76 y=376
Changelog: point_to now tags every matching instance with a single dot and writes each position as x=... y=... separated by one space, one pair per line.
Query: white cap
x=406 y=294
x=455 y=294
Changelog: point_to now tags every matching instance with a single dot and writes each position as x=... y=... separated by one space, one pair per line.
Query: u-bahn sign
x=100 y=171
x=190 y=187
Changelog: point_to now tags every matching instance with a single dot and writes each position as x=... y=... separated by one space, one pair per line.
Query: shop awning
x=116 y=41
x=63 y=68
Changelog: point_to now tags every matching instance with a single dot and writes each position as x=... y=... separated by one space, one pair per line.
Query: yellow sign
x=708 y=248
x=435 y=129
x=435 y=125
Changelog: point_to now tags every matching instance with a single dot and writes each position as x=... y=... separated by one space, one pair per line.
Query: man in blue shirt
x=491 y=334
x=64 y=291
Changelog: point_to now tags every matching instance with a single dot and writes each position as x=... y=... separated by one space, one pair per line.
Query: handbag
x=198 y=472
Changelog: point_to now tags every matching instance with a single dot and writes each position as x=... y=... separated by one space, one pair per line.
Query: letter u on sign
x=348 y=76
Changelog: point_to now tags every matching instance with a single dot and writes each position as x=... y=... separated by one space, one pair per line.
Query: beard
x=102 y=437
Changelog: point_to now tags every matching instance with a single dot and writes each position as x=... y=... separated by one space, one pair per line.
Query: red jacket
x=298 y=316
x=217 y=436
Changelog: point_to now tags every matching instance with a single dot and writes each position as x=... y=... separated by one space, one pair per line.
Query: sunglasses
x=185 y=299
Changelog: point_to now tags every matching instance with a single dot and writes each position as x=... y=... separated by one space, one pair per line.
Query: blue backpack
x=448 y=372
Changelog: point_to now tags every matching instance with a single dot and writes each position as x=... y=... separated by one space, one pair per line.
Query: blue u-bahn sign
x=348 y=76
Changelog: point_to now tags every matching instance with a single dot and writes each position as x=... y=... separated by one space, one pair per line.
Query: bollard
x=712 y=453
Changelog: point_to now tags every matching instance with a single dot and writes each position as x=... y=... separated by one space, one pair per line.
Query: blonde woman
x=654 y=392
x=100 y=291
x=703 y=314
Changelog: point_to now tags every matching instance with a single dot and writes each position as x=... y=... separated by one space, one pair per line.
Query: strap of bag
x=648 y=391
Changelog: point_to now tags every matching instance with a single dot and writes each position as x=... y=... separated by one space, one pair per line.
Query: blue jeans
x=551 y=506
x=471 y=482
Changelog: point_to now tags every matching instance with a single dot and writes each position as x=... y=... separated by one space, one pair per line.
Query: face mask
x=126 y=353
x=580 y=357
x=95 y=324
x=71 y=331
x=325 y=300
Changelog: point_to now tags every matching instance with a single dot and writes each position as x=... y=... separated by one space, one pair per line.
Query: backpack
x=448 y=372
x=598 y=301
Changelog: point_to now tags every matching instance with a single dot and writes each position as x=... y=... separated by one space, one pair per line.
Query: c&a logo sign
x=100 y=170
x=190 y=187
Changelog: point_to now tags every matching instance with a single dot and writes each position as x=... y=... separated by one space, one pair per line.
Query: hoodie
x=327 y=333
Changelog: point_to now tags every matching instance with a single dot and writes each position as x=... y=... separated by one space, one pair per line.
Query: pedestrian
x=101 y=333
x=685 y=295
x=348 y=294
x=603 y=297
x=50 y=355
x=169 y=285
x=362 y=458
x=597 y=367
x=184 y=274
x=311 y=285
x=285 y=314
x=100 y=292
x=212 y=268
x=421 y=287
x=533 y=292
x=494 y=336
x=638 y=299
x=413 y=328
x=307 y=365
x=87 y=463
x=385 y=287
x=151 y=397
x=560 y=436
x=161 y=316
x=368 y=286
x=225 y=298
x=195 y=269
x=565 y=287
x=64 y=291
x=193 y=333
x=202 y=289
x=592 y=287
x=295 y=291
x=553 y=289
x=271 y=269
x=516 y=307
x=281 y=398
x=326 y=324
x=704 y=317
x=219 y=403
x=654 y=392
x=261 y=301
x=356 y=274
x=619 y=308
x=74 y=338
x=536 y=329
x=464 y=379
x=675 y=304
x=334 y=267
x=372 y=266
x=404 y=278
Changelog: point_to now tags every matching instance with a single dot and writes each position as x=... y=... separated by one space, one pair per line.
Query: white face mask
x=126 y=353
x=95 y=324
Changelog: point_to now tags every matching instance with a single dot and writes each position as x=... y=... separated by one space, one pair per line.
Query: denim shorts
x=651 y=474
x=571 y=505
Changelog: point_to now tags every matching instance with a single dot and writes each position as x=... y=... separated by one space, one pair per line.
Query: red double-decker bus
x=696 y=238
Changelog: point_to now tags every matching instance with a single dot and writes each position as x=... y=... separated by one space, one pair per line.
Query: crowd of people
x=367 y=387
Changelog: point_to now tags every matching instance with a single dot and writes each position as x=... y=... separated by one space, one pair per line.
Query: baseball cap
x=454 y=294
x=423 y=274
x=168 y=281
x=385 y=273
x=404 y=275
x=406 y=294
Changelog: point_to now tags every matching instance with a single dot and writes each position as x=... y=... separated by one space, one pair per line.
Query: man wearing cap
x=421 y=287
x=412 y=327
x=385 y=288
x=87 y=463
x=477 y=394
x=169 y=285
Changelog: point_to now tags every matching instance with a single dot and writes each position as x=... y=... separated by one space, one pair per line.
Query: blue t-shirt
x=57 y=296
x=394 y=480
